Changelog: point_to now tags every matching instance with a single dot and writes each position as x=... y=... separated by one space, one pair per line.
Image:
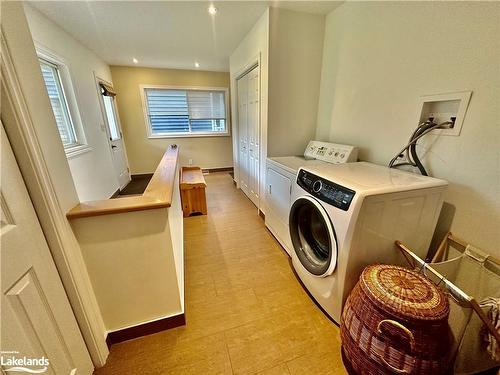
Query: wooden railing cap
x=158 y=193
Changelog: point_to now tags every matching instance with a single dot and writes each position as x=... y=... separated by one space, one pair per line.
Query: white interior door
x=113 y=130
x=36 y=317
x=243 y=133
x=249 y=134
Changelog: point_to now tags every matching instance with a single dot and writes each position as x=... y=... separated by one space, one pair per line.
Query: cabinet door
x=279 y=193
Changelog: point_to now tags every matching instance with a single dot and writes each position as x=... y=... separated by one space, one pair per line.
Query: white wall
x=295 y=54
x=380 y=57
x=92 y=172
x=254 y=46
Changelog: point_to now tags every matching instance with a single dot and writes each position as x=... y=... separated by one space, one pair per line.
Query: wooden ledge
x=158 y=193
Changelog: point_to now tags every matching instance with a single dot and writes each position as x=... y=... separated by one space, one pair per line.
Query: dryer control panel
x=331 y=152
x=325 y=190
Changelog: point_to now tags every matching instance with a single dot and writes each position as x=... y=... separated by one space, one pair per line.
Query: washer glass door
x=313 y=236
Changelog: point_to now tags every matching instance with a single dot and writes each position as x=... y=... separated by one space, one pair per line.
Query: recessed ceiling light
x=135 y=61
x=212 y=10
x=197 y=64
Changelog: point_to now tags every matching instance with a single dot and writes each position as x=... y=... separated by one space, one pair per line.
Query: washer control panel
x=327 y=191
x=331 y=152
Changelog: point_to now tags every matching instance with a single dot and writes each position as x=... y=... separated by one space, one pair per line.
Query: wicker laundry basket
x=395 y=321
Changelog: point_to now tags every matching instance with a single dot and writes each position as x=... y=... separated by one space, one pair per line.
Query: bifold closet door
x=243 y=132
x=253 y=135
x=248 y=133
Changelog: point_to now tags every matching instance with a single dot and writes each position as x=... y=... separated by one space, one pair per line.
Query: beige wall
x=92 y=171
x=143 y=153
x=296 y=47
x=379 y=58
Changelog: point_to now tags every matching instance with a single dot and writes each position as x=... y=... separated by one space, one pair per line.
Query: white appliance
x=281 y=173
x=347 y=216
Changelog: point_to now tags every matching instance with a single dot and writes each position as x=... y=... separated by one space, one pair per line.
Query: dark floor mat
x=136 y=186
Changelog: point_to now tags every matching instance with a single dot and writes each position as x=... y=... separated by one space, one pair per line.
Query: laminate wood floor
x=246 y=313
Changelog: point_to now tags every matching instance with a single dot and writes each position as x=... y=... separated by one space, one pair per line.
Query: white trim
x=189 y=135
x=69 y=93
x=76 y=149
x=62 y=243
x=150 y=135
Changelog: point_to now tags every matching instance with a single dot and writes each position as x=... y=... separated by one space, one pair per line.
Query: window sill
x=76 y=150
x=192 y=135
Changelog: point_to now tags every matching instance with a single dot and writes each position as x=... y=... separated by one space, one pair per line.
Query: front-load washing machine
x=281 y=174
x=347 y=216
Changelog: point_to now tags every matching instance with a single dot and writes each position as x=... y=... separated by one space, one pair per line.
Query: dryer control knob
x=317 y=186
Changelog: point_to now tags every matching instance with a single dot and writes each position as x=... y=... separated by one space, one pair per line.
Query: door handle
x=113 y=146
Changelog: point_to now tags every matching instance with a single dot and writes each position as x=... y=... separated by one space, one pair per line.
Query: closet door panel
x=243 y=133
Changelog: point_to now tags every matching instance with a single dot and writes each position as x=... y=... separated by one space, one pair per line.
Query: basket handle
x=406 y=331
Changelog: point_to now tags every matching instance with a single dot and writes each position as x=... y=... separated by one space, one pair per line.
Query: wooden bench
x=192 y=186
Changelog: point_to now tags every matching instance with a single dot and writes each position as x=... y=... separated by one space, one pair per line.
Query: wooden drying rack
x=459 y=245
x=454 y=290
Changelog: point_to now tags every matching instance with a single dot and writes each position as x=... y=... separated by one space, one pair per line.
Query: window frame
x=81 y=146
x=147 y=123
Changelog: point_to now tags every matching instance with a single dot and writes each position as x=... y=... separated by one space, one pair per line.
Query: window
x=108 y=100
x=185 y=112
x=63 y=101
x=52 y=79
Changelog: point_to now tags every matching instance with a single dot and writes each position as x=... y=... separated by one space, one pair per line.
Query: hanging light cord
x=409 y=151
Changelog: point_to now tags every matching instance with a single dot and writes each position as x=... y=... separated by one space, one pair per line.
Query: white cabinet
x=279 y=191
x=278 y=195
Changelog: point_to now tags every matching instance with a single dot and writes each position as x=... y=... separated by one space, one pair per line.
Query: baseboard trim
x=144 y=329
x=213 y=170
x=262 y=215
x=141 y=175
x=115 y=194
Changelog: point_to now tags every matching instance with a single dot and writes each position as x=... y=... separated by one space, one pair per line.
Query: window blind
x=58 y=102
x=186 y=111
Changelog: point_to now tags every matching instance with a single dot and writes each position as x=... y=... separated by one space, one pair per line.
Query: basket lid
x=404 y=293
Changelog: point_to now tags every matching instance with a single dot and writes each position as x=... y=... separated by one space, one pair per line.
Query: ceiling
x=166 y=34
